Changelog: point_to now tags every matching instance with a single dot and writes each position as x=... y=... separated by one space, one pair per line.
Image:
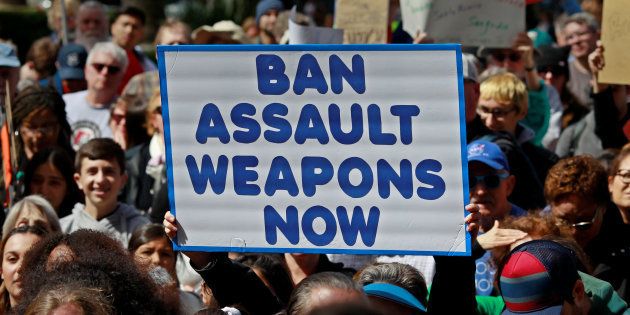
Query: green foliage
x=22 y=25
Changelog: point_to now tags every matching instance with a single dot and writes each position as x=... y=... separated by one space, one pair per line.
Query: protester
x=49 y=174
x=266 y=16
x=39 y=119
x=31 y=211
x=100 y=174
x=88 y=111
x=71 y=298
x=14 y=247
x=39 y=63
x=151 y=249
x=92 y=24
x=127 y=31
x=503 y=104
x=143 y=85
x=70 y=75
x=90 y=259
x=581 y=32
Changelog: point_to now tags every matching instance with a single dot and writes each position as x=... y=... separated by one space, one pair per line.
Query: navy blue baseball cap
x=487 y=153
x=71 y=59
x=395 y=294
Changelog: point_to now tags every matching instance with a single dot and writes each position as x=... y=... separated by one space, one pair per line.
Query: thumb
x=496 y=224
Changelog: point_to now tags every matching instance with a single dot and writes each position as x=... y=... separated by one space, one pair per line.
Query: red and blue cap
x=537 y=277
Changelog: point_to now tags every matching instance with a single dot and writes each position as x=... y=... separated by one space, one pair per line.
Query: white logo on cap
x=73 y=60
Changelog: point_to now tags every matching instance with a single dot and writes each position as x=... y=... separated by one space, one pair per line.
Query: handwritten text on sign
x=312 y=150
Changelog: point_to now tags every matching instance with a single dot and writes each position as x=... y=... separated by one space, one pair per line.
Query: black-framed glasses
x=582 y=225
x=624 y=176
x=501 y=56
x=491 y=181
x=110 y=69
x=44 y=129
x=497 y=112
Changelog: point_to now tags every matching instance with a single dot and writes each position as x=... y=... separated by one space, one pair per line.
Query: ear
x=578 y=292
x=511 y=183
x=77 y=180
x=610 y=183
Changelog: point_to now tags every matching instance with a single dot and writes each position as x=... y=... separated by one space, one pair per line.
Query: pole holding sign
x=316 y=148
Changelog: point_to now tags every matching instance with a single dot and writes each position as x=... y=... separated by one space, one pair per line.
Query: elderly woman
x=32 y=210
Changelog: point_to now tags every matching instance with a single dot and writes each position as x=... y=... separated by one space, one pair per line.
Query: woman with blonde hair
x=31 y=210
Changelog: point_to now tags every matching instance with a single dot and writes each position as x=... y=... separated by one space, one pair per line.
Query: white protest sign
x=316 y=148
x=490 y=23
x=299 y=34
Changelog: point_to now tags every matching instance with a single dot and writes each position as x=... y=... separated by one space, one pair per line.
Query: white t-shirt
x=86 y=121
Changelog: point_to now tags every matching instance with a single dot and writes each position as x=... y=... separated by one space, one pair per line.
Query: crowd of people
x=87 y=227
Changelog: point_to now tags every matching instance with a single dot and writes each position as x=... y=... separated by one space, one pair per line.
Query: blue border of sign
x=373 y=47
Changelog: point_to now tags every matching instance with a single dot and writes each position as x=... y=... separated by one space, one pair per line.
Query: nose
x=155 y=259
x=548 y=76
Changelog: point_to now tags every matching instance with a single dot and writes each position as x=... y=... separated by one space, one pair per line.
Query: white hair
x=111 y=49
x=34 y=200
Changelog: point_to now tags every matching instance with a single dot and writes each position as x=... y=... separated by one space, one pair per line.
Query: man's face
x=92 y=23
x=619 y=184
x=103 y=72
x=581 y=38
x=127 y=31
x=174 y=36
x=585 y=214
x=268 y=20
x=499 y=116
x=11 y=75
x=100 y=181
x=508 y=59
x=491 y=193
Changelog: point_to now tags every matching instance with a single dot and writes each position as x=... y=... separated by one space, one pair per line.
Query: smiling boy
x=100 y=174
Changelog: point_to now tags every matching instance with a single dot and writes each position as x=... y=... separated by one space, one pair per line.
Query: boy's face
x=100 y=181
x=499 y=116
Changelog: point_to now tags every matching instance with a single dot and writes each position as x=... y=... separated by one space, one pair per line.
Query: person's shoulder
x=74 y=98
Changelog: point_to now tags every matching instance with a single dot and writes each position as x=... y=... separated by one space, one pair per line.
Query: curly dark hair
x=35 y=98
x=101 y=262
x=580 y=175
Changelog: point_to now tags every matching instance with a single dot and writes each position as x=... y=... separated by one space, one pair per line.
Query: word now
x=316 y=171
x=272 y=79
x=289 y=226
x=310 y=124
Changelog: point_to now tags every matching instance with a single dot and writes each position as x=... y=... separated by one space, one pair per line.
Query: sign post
x=316 y=148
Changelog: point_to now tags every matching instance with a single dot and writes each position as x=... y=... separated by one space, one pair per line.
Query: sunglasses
x=582 y=225
x=496 y=112
x=491 y=181
x=110 y=69
x=500 y=57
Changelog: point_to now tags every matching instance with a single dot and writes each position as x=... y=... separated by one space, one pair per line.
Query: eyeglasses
x=497 y=112
x=570 y=37
x=500 y=56
x=624 y=176
x=582 y=225
x=491 y=181
x=44 y=129
x=110 y=69
x=117 y=118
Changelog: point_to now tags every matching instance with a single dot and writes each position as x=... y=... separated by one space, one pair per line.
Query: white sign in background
x=422 y=75
x=489 y=23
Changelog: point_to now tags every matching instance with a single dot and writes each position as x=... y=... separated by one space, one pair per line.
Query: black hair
x=131 y=11
x=62 y=161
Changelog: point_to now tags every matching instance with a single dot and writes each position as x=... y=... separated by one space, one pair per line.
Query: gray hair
x=582 y=18
x=300 y=300
x=111 y=49
x=33 y=200
x=402 y=275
